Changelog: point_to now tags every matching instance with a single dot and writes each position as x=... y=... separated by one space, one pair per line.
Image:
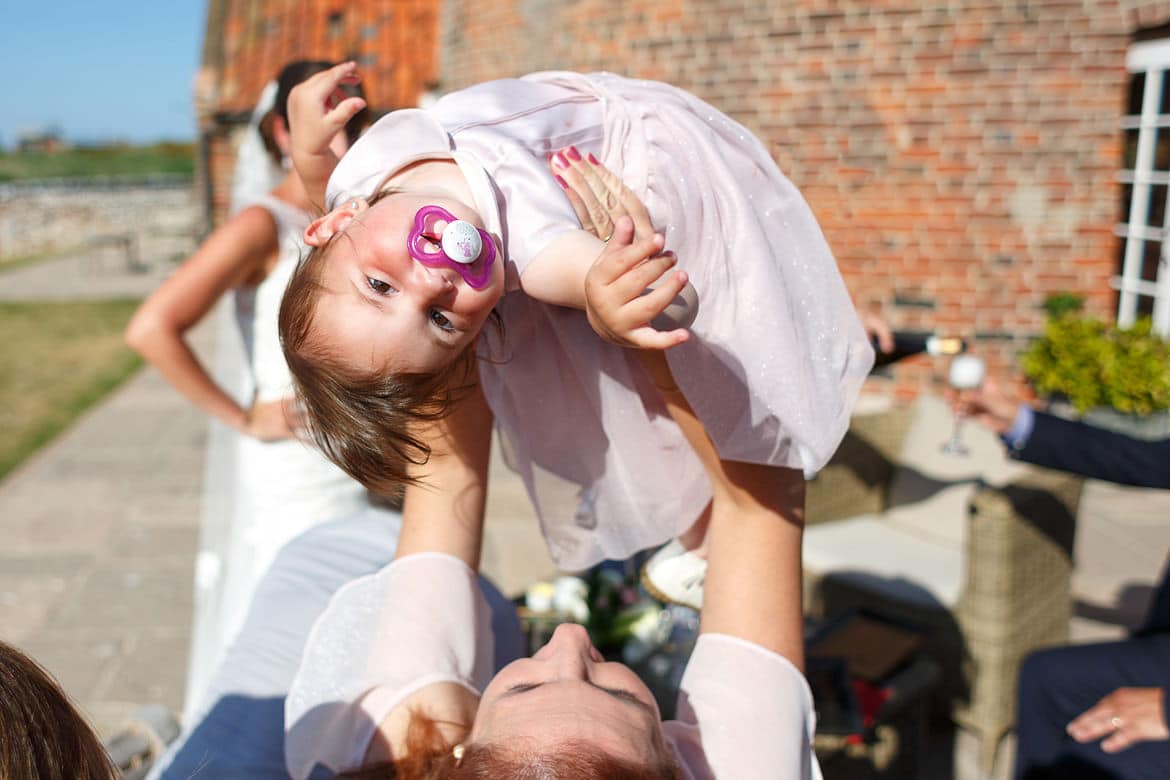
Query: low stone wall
x=153 y=220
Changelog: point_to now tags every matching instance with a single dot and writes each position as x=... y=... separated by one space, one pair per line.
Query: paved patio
x=101 y=528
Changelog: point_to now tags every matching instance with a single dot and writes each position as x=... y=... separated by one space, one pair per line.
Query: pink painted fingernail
x=573 y=154
x=559 y=161
x=564 y=184
x=593 y=159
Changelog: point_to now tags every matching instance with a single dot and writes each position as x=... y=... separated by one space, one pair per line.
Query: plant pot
x=1140 y=426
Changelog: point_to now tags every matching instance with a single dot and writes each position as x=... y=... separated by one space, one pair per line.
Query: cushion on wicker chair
x=871 y=553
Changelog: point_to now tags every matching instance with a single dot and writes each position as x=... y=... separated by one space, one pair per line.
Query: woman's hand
x=273 y=420
x=318 y=109
x=1125 y=717
x=239 y=252
x=617 y=302
x=597 y=195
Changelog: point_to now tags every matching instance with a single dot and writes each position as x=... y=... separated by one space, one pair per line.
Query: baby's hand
x=318 y=109
x=614 y=300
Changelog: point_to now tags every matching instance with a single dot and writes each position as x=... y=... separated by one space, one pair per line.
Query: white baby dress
x=779 y=357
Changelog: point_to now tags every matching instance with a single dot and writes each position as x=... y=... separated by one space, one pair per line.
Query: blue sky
x=100 y=69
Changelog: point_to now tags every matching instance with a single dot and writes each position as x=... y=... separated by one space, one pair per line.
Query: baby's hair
x=42 y=735
x=365 y=423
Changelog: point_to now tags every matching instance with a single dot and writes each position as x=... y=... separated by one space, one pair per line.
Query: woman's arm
x=236 y=252
x=753 y=585
x=752 y=588
x=443 y=515
x=445 y=512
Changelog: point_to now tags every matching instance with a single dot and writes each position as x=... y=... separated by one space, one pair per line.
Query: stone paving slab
x=1121 y=546
x=105 y=520
x=80 y=276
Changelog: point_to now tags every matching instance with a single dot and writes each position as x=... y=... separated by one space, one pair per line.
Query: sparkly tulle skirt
x=776 y=364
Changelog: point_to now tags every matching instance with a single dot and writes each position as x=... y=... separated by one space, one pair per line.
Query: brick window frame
x=1145 y=246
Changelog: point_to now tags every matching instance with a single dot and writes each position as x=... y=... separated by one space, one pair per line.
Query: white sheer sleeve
x=419 y=621
x=744 y=712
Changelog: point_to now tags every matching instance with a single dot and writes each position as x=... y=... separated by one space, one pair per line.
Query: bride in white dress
x=263 y=485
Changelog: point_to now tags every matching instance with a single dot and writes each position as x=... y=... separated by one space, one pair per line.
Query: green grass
x=56 y=360
x=86 y=162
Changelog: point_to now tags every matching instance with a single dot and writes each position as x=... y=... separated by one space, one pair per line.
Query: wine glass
x=967 y=372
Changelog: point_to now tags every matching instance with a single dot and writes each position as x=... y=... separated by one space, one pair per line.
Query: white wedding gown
x=257 y=495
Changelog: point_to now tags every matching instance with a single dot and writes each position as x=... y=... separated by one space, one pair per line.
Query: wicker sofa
x=976 y=550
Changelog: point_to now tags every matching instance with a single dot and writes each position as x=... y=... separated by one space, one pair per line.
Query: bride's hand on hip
x=273 y=420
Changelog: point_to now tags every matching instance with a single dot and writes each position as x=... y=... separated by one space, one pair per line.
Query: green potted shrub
x=1109 y=376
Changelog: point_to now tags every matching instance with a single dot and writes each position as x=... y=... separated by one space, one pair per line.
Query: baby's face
x=384 y=311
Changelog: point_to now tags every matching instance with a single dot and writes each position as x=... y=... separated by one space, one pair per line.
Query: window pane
x=1145 y=306
x=1151 y=183
x=1157 y=213
x=1162 y=150
x=1137 y=85
x=1129 y=149
x=1150 y=258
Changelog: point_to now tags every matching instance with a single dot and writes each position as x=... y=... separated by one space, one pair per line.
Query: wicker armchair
x=1011 y=566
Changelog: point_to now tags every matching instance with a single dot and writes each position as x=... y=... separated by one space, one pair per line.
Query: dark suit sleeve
x=1095 y=452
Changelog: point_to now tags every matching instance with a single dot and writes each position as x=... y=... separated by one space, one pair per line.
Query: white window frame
x=1153 y=59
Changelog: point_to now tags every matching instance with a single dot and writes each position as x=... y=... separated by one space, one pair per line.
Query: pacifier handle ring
x=417 y=242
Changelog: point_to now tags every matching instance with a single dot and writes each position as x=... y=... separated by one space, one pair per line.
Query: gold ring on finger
x=1116 y=722
x=607 y=238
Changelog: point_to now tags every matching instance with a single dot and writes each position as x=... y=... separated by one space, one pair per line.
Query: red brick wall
x=392 y=40
x=221 y=163
x=960 y=159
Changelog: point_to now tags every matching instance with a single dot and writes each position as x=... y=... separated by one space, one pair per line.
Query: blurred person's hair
x=42 y=735
x=292 y=74
x=428 y=755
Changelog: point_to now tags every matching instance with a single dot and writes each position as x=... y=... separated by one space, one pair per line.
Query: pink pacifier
x=459 y=245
